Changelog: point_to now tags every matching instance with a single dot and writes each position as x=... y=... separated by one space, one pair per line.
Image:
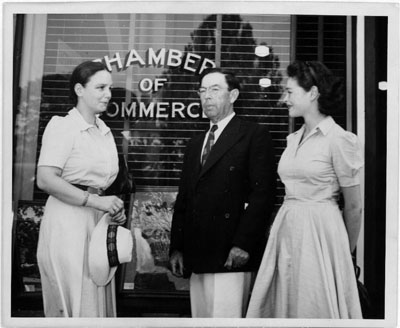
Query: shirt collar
x=223 y=123
x=83 y=125
x=324 y=126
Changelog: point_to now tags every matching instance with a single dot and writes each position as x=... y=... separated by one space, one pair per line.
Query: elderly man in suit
x=224 y=204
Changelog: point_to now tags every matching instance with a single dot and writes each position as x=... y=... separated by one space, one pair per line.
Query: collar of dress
x=83 y=125
x=324 y=126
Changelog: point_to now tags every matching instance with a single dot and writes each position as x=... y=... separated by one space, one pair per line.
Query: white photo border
x=389 y=9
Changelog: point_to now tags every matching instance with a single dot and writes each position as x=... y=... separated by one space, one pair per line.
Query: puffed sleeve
x=57 y=143
x=347 y=159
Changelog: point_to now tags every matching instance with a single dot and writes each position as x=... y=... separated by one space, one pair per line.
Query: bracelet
x=85 y=200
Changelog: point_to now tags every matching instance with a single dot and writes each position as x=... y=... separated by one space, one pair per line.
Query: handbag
x=365 y=300
x=123 y=183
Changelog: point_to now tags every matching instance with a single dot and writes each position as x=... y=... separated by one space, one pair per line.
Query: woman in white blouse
x=78 y=161
x=307 y=269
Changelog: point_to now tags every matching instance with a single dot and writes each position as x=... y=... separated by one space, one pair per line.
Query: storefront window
x=155 y=60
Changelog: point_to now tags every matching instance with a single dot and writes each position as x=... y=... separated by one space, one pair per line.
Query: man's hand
x=237 y=257
x=176 y=262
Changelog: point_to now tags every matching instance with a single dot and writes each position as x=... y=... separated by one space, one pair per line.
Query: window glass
x=155 y=61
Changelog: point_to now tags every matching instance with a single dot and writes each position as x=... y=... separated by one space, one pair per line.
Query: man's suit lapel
x=226 y=140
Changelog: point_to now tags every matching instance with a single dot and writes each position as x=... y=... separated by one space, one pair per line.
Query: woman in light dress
x=78 y=160
x=307 y=269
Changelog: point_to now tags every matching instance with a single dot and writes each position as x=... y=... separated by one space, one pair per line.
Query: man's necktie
x=209 y=143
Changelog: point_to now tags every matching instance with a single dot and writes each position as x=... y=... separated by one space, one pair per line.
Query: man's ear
x=234 y=94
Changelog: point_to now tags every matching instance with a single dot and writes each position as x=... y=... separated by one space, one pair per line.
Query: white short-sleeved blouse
x=86 y=153
x=315 y=168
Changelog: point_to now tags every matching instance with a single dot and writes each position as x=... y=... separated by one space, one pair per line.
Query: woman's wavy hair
x=82 y=74
x=330 y=88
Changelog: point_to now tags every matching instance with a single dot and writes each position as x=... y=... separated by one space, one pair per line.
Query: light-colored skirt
x=62 y=254
x=307 y=270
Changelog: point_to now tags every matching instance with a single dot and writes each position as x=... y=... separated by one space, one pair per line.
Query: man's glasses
x=214 y=90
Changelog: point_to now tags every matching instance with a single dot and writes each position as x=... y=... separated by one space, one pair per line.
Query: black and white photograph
x=200 y=163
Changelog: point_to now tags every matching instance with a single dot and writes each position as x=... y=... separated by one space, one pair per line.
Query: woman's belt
x=294 y=201
x=91 y=190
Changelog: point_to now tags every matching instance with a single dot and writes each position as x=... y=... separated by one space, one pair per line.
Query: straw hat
x=109 y=246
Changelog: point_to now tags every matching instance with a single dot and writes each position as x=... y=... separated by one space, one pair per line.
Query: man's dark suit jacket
x=209 y=214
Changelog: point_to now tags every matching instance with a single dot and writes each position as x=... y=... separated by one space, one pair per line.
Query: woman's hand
x=110 y=204
x=114 y=206
x=119 y=218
